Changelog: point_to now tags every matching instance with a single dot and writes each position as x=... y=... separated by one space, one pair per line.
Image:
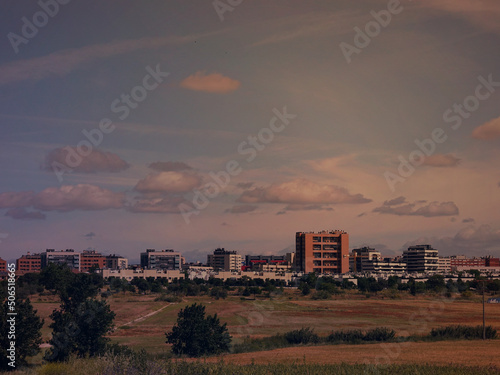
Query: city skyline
x=201 y=127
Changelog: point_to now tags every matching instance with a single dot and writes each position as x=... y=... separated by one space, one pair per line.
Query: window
x=316 y=239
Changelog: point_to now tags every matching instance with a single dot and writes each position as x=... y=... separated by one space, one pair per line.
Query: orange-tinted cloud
x=214 y=83
x=301 y=191
x=488 y=131
x=401 y=207
x=442 y=160
x=168 y=182
x=96 y=161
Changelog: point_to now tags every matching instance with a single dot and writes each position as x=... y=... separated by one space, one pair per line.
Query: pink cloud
x=168 y=166
x=168 y=182
x=400 y=207
x=442 y=160
x=96 y=161
x=214 y=83
x=23 y=214
x=488 y=131
x=301 y=191
x=157 y=205
x=16 y=199
x=77 y=197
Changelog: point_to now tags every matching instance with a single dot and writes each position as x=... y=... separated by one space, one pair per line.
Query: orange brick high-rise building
x=322 y=252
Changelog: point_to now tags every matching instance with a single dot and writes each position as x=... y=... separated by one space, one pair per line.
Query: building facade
x=69 y=257
x=116 y=262
x=3 y=265
x=223 y=260
x=161 y=260
x=29 y=263
x=361 y=260
x=421 y=258
x=90 y=259
x=325 y=252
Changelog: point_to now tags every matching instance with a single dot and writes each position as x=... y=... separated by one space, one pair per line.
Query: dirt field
x=141 y=323
x=478 y=353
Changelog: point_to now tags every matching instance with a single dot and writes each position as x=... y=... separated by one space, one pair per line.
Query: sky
x=192 y=125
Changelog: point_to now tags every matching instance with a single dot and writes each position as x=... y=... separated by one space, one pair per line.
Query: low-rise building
x=91 y=259
x=69 y=257
x=224 y=260
x=161 y=260
x=116 y=262
x=29 y=263
x=143 y=274
x=421 y=258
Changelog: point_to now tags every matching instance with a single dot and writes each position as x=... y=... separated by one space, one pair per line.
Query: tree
x=196 y=335
x=27 y=334
x=80 y=330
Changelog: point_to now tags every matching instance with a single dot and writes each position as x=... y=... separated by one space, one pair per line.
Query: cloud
x=441 y=160
x=90 y=235
x=241 y=209
x=78 y=197
x=214 y=83
x=483 y=14
x=157 y=205
x=432 y=209
x=488 y=131
x=305 y=207
x=61 y=63
x=471 y=241
x=169 y=166
x=248 y=185
x=395 y=201
x=16 y=199
x=168 y=182
x=301 y=191
x=96 y=161
x=23 y=214
x=468 y=220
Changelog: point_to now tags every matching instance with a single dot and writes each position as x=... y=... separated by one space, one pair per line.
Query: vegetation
x=27 y=334
x=140 y=364
x=459 y=332
x=196 y=335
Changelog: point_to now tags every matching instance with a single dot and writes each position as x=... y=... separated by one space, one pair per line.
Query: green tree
x=27 y=334
x=80 y=330
x=196 y=335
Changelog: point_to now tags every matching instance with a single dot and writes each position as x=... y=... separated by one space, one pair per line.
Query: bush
x=302 y=336
x=357 y=336
x=322 y=294
x=167 y=298
x=459 y=332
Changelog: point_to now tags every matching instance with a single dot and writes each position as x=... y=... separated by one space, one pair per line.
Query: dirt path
x=141 y=318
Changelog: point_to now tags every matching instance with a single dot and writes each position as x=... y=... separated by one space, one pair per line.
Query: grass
x=141 y=364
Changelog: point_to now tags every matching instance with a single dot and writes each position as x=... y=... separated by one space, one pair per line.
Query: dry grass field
x=141 y=323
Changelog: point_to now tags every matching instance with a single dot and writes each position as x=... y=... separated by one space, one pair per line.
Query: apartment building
x=361 y=259
x=325 y=252
x=161 y=260
x=29 y=263
x=223 y=260
x=116 y=262
x=91 y=259
x=69 y=257
x=421 y=258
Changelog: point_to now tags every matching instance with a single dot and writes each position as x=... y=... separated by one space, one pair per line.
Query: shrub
x=356 y=336
x=457 y=332
x=322 y=294
x=302 y=336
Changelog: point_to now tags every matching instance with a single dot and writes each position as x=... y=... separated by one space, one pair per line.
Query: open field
x=141 y=323
x=443 y=353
